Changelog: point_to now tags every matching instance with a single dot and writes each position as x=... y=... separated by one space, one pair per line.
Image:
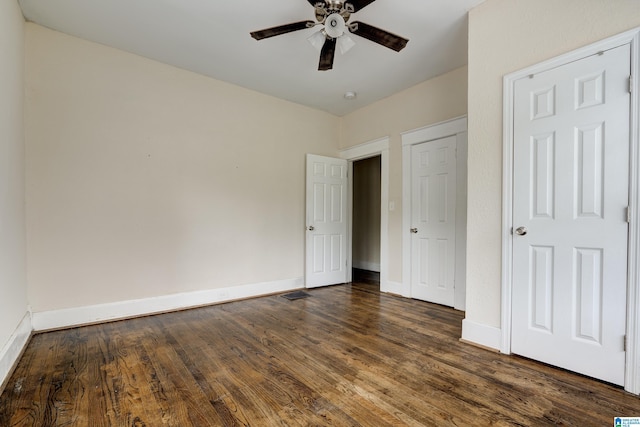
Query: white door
x=433 y=220
x=326 y=234
x=571 y=176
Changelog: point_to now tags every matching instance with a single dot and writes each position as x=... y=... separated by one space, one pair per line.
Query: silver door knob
x=310 y=228
x=521 y=231
x=414 y=230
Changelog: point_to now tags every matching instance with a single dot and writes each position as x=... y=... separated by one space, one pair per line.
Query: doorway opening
x=366 y=220
x=377 y=148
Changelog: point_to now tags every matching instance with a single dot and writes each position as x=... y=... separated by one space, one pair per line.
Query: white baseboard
x=57 y=319
x=13 y=349
x=392 y=287
x=365 y=265
x=483 y=335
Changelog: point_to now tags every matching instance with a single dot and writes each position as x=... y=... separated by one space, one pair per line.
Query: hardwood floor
x=345 y=356
x=366 y=276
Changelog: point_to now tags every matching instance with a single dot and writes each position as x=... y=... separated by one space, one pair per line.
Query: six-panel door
x=571 y=160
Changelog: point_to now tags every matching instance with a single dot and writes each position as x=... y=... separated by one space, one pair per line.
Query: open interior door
x=326 y=235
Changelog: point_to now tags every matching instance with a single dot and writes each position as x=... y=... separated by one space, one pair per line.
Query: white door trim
x=458 y=127
x=632 y=376
x=359 y=152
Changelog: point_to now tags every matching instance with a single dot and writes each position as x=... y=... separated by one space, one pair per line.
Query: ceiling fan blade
x=327 y=54
x=282 y=29
x=314 y=2
x=379 y=36
x=358 y=4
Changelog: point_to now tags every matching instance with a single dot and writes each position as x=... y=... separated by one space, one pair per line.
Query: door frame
x=453 y=127
x=632 y=37
x=378 y=147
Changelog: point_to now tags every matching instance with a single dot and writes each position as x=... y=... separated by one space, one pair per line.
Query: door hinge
x=624 y=343
x=628 y=215
x=630 y=84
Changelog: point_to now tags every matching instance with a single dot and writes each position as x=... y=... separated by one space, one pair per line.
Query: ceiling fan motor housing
x=324 y=9
x=334 y=5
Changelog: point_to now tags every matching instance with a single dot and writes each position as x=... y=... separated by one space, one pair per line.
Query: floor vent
x=296 y=295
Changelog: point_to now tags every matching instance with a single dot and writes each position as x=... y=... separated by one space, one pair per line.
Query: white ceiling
x=211 y=37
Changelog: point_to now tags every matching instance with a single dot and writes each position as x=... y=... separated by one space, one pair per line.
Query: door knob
x=310 y=228
x=414 y=230
x=521 y=231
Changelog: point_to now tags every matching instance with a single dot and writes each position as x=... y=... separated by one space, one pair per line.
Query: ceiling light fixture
x=317 y=39
x=334 y=25
x=334 y=28
x=350 y=95
x=345 y=43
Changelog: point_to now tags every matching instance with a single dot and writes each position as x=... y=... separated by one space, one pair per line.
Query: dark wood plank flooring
x=345 y=356
x=366 y=276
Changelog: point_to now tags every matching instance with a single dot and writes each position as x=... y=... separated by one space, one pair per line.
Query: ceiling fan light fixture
x=334 y=25
x=345 y=43
x=317 y=40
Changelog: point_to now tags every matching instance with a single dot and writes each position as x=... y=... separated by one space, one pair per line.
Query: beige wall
x=366 y=214
x=147 y=180
x=506 y=36
x=13 y=291
x=435 y=100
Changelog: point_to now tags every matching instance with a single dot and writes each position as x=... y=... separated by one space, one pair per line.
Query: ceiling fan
x=334 y=15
